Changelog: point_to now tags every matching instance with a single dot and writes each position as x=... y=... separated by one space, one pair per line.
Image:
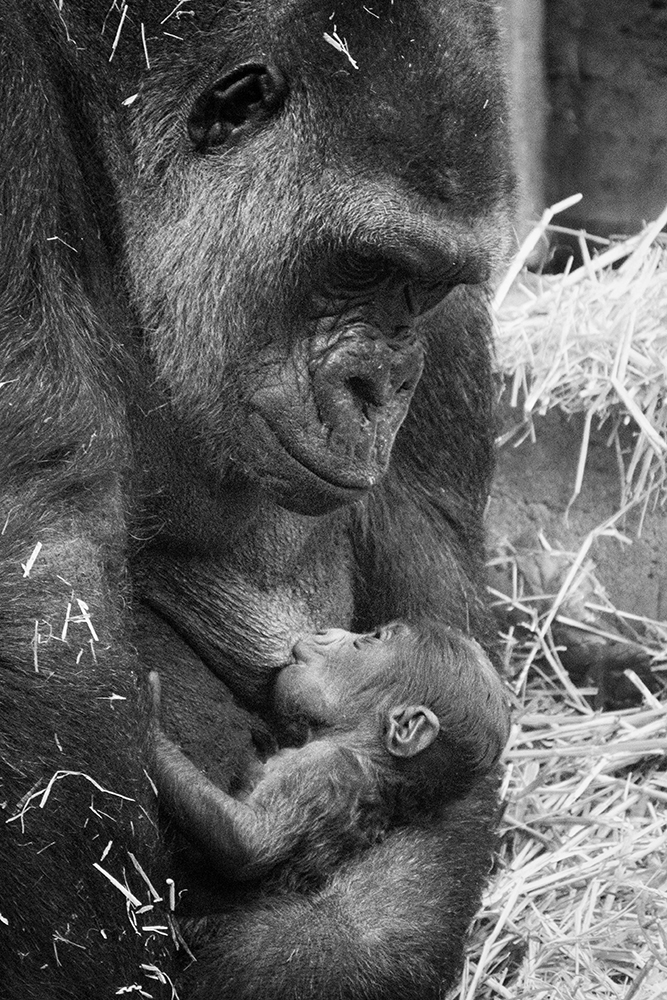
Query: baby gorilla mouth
x=331 y=430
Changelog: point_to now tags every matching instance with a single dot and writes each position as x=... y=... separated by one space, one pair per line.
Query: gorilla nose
x=361 y=376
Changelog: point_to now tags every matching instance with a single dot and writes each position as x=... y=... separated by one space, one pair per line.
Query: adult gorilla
x=216 y=303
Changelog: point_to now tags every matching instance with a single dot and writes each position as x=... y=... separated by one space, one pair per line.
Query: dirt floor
x=533 y=486
x=578 y=904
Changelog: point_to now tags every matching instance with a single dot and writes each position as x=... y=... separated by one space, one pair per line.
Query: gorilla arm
x=72 y=741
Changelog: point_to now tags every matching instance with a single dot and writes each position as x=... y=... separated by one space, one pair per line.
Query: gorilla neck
x=238 y=577
x=264 y=582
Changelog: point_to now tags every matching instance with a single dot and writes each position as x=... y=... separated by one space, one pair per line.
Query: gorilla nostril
x=364 y=381
x=407 y=379
x=365 y=390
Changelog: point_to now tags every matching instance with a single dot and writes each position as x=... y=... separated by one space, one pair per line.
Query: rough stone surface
x=607 y=88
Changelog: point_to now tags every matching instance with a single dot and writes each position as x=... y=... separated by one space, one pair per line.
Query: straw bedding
x=594 y=341
x=577 y=908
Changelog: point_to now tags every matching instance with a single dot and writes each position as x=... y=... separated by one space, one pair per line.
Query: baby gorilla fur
x=392 y=724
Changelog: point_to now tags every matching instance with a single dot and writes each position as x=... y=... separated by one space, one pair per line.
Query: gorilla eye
x=249 y=94
x=358 y=273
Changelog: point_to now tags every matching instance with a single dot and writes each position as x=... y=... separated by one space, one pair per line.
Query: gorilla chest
x=242 y=608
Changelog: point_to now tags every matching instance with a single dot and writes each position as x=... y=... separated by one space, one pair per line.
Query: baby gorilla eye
x=370 y=637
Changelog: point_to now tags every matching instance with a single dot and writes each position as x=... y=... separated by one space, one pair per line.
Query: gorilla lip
x=354 y=490
x=334 y=409
x=347 y=483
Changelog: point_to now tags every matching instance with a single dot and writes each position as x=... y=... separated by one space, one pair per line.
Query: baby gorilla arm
x=238 y=837
x=295 y=798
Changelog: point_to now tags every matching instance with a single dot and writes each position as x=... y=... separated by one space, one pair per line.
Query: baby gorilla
x=392 y=724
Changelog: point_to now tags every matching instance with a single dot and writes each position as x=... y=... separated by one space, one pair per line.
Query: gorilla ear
x=411 y=729
x=250 y=93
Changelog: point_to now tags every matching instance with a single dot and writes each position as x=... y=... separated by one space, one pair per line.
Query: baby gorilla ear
x=411 y=729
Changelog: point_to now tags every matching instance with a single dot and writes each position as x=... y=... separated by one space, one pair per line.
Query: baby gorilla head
x=422 y=693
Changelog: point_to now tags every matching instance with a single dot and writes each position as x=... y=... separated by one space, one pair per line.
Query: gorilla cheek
x=321 y=438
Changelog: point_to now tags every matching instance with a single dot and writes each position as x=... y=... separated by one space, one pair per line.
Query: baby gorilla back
x=321 y=805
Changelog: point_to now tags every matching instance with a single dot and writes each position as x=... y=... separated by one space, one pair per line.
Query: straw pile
x=594 y=341
x=578 y=907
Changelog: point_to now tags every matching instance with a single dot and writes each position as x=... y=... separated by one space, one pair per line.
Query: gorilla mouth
x=306 y=478
x=343 y=480
x=355 y=457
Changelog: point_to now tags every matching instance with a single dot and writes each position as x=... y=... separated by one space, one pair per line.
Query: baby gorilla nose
x=331 y=635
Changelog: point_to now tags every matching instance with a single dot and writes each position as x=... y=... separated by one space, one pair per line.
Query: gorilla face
x=322 y=420
x=294 y=226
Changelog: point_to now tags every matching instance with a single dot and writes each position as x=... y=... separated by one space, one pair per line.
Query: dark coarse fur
x=162 y=307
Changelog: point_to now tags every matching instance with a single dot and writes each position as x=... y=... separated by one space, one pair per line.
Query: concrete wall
x=524 y=30
x=589 y=80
